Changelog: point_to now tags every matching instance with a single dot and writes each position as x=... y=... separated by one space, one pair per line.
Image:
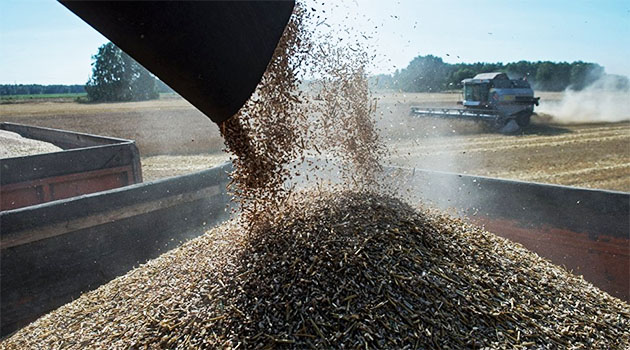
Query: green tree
x=583 y=74
x=118 y=77
x=521 y=69
x=459 y=73
x=430 y=73
x=544 y=75
x=424 y=73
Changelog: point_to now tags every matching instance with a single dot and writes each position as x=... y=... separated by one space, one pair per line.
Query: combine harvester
x=505 y=104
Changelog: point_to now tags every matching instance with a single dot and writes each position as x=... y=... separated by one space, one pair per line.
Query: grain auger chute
x=213 y=53
x=503 y=103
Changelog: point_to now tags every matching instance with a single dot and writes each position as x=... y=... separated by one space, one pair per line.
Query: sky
x=41 y=42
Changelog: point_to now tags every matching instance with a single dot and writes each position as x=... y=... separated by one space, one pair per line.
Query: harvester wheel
x=507 y=126
x=523 y=119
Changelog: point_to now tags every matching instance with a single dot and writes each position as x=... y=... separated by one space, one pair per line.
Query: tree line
x=115 y=77
x=37 y=89
x=118 y=77
x=430 y=73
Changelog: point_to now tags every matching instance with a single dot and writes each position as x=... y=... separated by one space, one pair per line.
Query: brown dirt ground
x=168 y=126
x=174 y=138
x=584 y=155
x=158 y=167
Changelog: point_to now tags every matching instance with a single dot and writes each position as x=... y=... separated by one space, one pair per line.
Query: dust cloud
x=601 y=101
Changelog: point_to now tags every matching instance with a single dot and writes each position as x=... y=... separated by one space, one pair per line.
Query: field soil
x=162 y=166
x=174 y=138
x=165 y=126
x=584 y=155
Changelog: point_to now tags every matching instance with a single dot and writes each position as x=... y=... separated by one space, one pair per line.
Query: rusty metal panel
x=602 y=260
x=52 y=252
x=585 y=230
x=89 y=163
x=39 y=191
x=12 y=197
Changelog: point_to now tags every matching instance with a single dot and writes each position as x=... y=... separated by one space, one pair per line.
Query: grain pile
x=14 y=145
x=340 y=270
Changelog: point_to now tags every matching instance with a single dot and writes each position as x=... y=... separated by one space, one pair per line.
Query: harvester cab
x=507 y=104
x=495 y=91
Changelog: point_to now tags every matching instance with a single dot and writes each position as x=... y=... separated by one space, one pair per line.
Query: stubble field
x=174 y=138
x=593 y=155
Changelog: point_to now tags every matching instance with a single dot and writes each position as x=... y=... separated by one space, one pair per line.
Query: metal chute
x=213 y=53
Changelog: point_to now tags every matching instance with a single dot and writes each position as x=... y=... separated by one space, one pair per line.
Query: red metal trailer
x=87 y=164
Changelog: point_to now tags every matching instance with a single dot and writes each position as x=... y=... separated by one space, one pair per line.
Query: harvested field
x=159 y=167
x=340 y=270
x=593 y=156
x=585 y=155
x=168 y=126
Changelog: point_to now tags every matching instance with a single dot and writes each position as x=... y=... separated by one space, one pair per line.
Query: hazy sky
x=42 y=42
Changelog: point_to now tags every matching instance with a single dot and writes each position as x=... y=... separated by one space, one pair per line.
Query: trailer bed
x=87 y=164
